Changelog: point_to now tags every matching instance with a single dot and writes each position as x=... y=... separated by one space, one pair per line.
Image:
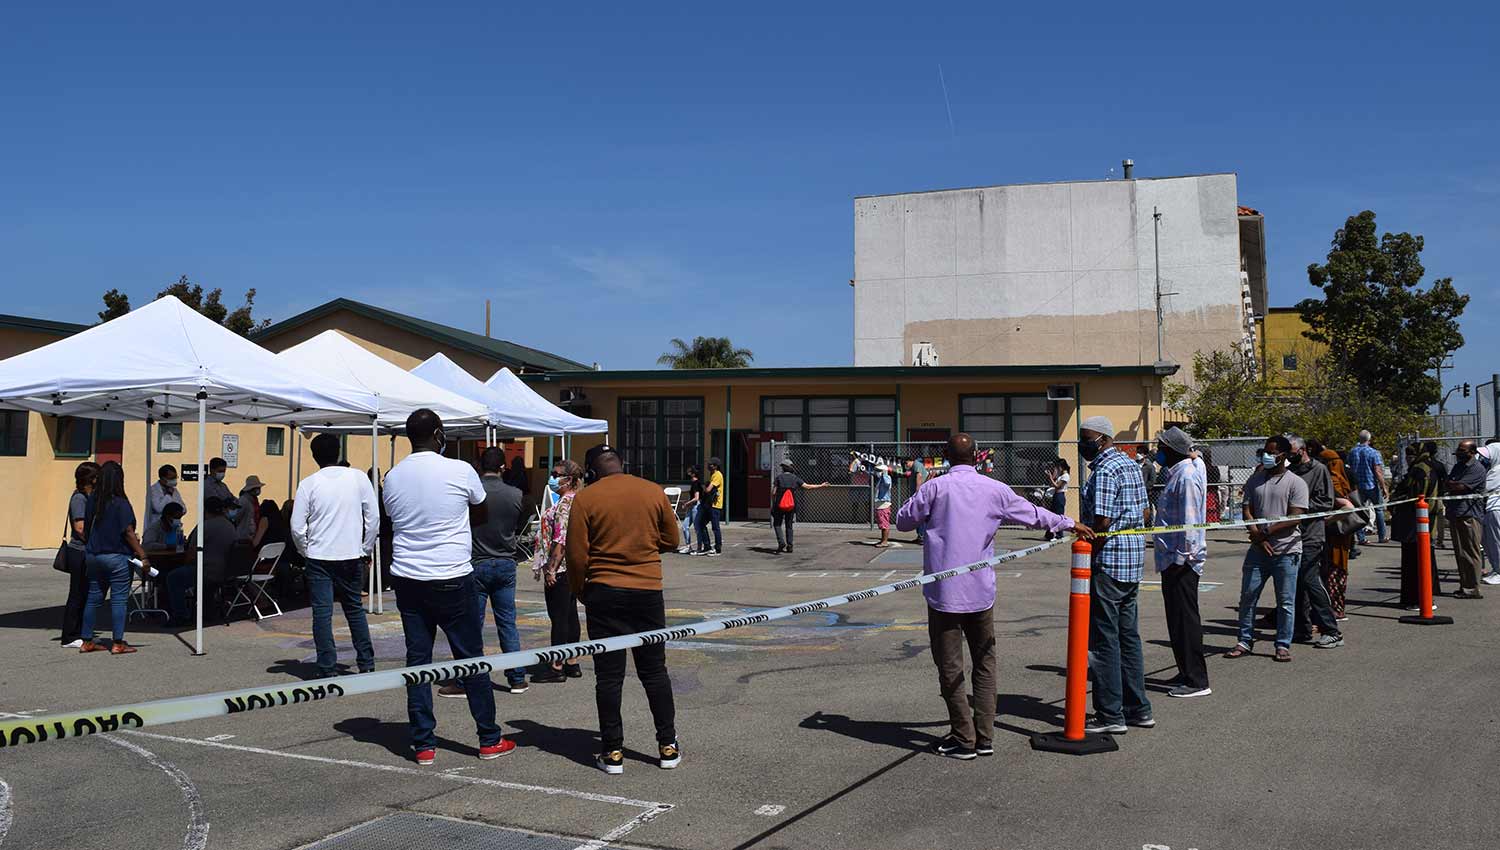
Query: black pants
x=616 y=611
x=78 y=596
x=1314 y=607
x=1409 y=553
x=780 y=519
x=1179 y=593
x=562 y=610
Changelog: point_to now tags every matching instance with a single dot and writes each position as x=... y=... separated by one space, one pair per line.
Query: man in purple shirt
x=961 y=511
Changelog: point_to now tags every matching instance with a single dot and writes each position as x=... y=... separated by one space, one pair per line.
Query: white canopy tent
x=397 y=392
x=511 y=413
x=162 y=360
x=553 y=419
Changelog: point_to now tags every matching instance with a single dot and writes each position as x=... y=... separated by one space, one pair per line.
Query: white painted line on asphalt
x=410 y=771
x=625 y=828
x=20 y=715
x=218 y=737
x=4 y=810
x=770 y=810
x=196 y=837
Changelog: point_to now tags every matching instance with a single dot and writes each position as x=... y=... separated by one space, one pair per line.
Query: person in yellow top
x=711 y=510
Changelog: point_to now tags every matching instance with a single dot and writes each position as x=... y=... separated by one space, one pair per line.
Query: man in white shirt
x=432 y=500
x=1489 y=455
x=335 y=519
x=161 y=493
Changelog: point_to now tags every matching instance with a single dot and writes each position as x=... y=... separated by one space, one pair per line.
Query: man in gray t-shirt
x=1274 y=493
x=1314 y=608
x=493 y=526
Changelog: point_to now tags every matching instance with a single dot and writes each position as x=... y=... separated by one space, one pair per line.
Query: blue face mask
x=554 y=484
x=1269 y=460
x=1161 y=458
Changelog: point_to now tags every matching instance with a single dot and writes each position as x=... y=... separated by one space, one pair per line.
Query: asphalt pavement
x=804 y=733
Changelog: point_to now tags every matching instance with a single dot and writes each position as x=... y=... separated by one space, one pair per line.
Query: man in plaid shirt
x=1114 y=499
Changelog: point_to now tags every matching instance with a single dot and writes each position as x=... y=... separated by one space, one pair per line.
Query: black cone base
x=1434 y=620
x=1054 y=742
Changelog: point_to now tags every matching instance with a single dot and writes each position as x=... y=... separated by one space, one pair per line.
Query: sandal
x=1283 y=654
x=1239 y=651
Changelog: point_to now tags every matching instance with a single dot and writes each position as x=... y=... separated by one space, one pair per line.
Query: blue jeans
x=692 y=522
x=1373 y=497
x=495 y=586
x=446 y=604
x=1116 y=659
x=107 y=574
x=1260 y=568
x=342 y=579
x=707 y=515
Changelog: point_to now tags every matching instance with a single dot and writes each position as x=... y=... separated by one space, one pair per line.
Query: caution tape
x=77 y=724
x=1246 y=523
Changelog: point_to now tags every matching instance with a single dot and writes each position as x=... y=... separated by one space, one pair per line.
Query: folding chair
x=251 y=589
x=674 y=495
x=524 y=536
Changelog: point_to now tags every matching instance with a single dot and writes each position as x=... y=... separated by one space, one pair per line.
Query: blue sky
x=614 y=177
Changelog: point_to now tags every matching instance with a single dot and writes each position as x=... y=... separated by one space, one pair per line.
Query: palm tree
x=706 y=352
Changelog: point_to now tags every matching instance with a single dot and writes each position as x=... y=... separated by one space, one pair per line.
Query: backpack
x=788 y=502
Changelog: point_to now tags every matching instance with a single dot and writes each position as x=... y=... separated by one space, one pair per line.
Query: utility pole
x=1160 y=314
x=1440 y=366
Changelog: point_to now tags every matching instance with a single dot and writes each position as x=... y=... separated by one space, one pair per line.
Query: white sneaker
x=1417 y=609
x=1492 y=578
x=76 y=643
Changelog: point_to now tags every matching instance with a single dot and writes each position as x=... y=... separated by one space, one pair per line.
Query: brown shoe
x=90 y=646
x=120 y=647
x=452 y=690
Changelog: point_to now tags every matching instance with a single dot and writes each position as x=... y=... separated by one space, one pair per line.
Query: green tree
x=706 y=352
x=1382 y=331
x=210 y=304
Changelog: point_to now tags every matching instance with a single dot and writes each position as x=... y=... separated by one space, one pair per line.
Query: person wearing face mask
x=432 y=501
x=1467 y=479
x=1114 y=499
x=161 y=493
x=1314 y=607
x=551 y=564
x=246 y=513
x=1275 y=553
x=1180 y=556
x=1423 y=478
x=214 y=486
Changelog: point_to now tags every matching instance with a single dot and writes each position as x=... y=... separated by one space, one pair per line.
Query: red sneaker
x=497 y=749
x=425 y=758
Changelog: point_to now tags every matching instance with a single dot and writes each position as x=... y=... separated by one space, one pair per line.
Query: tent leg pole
x=202 y=526
x=290 y=478
x=149 y=420
x=378 y=603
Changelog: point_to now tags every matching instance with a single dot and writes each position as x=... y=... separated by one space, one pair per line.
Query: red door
x=758 y=473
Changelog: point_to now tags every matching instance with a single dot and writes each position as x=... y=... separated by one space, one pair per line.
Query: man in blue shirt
x=1368 y=470
x=1114 y=499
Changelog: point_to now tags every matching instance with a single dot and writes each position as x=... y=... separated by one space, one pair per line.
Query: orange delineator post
x=1425 y=617
x=1073 y=739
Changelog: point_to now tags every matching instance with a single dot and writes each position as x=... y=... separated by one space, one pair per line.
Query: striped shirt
x=1117 y=492
x=1183 y=501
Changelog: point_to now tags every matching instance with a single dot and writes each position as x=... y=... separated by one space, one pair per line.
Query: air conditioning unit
x=924 y=354
x=1059 y=392
x=572 y=396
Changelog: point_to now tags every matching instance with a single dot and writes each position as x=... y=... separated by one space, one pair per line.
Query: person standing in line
x=784 y=503
x=1314 y=608
x=495 y=563
x=1422 y=479
x=1275 y=547
x=711 y=510
x=1467 y=478
x=84 y=476
x=1336 y=563
x=883 y=504
x=916 y=469
x=247 y=516
x=962 y=510
x=1180 y=556
x=213 y=484
x=1059 y=473
x=691 y=510
x=1114 y=499
x=431 y=500
x=334 y=522
x=111 y=541
x=162 y=492
x=550 y=565
x=1490 y=454
x=1368 y=469
x=1438 y=511
x=617 y=530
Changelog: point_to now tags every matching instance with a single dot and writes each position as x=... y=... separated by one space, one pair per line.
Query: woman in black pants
x=78 y=588
x=550 y=565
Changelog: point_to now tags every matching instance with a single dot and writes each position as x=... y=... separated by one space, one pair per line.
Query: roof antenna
x=486 y=318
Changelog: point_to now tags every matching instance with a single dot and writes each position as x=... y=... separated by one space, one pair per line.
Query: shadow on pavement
x=576 y=745
x=890 y=733
x=395 y=737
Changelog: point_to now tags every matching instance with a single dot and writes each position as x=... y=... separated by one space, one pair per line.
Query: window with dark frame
x=13 y=427
x=73 y=437
x=275 y=441
x=1289 y=362
x=661 y=437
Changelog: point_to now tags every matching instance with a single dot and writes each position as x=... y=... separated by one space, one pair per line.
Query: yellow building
x=661 y=420
x=1285 y=354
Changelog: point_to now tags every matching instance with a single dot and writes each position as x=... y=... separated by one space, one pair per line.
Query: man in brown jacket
x=618 y=528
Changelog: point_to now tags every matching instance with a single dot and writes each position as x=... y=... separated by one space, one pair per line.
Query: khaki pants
x=972 y=726
x=1468 y=549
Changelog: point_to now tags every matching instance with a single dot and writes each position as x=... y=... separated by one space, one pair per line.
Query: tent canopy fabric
x=507 y=418
x=153 y=362
x=557 y=421
x=332 y=355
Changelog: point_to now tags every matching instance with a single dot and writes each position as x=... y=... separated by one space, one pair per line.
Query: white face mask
x=169 y=483
x=218 y=476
